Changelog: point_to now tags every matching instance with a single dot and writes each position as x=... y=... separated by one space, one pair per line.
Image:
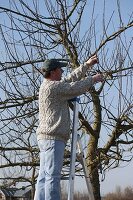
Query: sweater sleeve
x=67 y=91
x=77 y=74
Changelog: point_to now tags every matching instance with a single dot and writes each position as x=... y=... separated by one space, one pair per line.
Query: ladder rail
x=85 y=170
x=73 y=152
x=76 y=142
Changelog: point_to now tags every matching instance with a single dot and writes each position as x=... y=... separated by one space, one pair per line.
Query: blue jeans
x=51 y=162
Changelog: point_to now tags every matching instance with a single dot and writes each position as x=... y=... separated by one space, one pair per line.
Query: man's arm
x=80 y=72
x=70 y=90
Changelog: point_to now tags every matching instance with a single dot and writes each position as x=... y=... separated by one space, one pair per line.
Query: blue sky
x=121 y=176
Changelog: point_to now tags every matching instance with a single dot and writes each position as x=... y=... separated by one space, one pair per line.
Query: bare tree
x=119 y=194
x=36 y=30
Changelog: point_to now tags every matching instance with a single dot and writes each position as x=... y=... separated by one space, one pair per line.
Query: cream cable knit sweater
x=54 y=117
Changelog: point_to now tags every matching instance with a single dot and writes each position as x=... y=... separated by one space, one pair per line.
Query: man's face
x=57 y=74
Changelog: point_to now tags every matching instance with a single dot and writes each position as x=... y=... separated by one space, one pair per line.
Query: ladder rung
x=64 y=178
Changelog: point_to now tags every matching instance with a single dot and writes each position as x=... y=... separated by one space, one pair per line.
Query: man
x=54 y=121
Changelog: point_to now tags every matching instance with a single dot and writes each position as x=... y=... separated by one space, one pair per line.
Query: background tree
x=127 y=193
x=35 y=30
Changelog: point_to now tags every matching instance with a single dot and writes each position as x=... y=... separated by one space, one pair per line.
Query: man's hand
x=97 y=78
x=93 y=60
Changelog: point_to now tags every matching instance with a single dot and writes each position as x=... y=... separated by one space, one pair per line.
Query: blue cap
x=51 y=64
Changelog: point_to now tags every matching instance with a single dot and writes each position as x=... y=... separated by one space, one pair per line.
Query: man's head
x=52 y=69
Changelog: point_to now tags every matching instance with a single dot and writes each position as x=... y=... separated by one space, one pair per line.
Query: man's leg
x=51 y=162
x=40 y=186
x=54 y=163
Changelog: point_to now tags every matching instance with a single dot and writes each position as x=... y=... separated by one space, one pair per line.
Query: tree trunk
x=92 y=167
